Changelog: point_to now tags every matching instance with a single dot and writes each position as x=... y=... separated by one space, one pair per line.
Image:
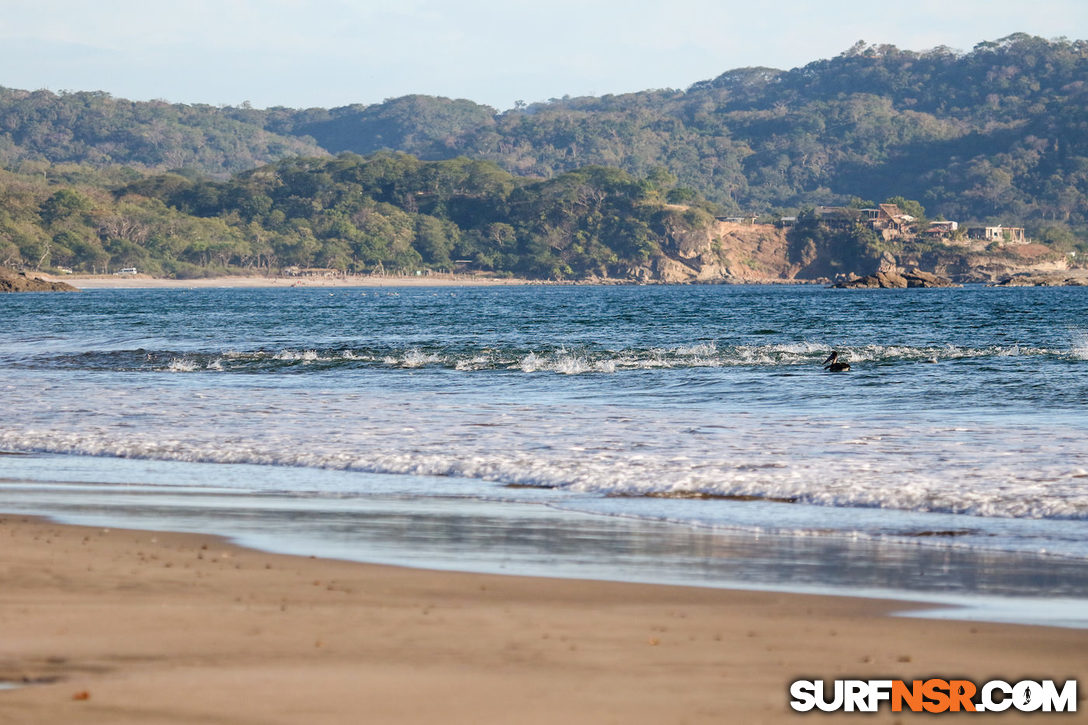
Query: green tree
x=433 y=241
x=64 y=205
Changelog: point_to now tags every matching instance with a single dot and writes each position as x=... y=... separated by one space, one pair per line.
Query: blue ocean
x=683 y=434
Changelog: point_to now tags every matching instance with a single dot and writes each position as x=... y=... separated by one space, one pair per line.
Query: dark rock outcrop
x=919 y=278
x=12 y=281
x=893 y=279
x=1067 y=278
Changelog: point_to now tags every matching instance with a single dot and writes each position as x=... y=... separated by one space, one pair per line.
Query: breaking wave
x=561 y=360
x=998 y=488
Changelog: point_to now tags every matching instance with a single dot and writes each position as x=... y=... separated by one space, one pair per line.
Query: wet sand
x=118 y=626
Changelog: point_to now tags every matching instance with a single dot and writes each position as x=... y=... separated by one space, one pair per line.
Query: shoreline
x=143 y=281
x=140 y=622
x=1068 y=278
x=530 y=537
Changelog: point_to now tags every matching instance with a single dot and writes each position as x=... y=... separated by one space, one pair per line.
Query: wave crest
x=565 y=360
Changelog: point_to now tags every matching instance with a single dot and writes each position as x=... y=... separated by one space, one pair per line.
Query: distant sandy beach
x=143 y=281
x=117 y=626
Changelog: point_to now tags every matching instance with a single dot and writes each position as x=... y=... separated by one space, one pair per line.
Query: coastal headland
x=118 y=626
x=1067 y=279
x=11 y=281
x=723 y=253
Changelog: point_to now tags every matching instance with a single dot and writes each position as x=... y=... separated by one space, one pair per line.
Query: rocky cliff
x=762 y=253
x=894 y=278
x=12 y=281
x=722 y=252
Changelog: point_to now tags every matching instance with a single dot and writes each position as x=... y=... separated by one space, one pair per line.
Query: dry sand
x=138 y=627
x=143 y=281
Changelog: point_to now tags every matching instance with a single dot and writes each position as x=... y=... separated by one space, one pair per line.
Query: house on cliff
x=889 y=220
x=998 y=233
x=941 y=229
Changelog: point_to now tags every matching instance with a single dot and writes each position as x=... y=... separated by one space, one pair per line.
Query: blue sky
x=328 y=53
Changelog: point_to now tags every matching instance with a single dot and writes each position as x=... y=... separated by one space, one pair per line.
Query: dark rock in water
x=12 y=281
x=878 y=280
x=918 y=278
x=1068 y=278
x=893 y=279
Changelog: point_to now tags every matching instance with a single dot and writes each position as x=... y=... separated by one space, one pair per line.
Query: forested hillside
x=576 y=187
x=1000 y=133
x=996 y=134
x=388 y=212
x=95 y=129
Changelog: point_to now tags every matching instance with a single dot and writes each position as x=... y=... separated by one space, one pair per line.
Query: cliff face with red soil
x=754 y=253
x=723 y=252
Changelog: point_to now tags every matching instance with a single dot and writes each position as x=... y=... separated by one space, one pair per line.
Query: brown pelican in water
x=832 y=363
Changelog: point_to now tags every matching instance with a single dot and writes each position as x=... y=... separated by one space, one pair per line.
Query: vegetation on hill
x=98 y=130
x=571 y=187
x=423 y=125
x=998 y=134
x=387 y=212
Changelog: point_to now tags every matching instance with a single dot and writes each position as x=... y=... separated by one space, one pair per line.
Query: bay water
x=660 y=433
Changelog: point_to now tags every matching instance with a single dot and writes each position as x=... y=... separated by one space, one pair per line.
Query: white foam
x=416 y=359
x=634 y=454
x=181 y=365
x=297 y=355
x=590 y=360
x=476 y=362
x=529 y=364
x=704 y=349
x=994 y=469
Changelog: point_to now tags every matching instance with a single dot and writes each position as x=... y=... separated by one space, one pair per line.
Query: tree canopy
x=566 y=187
x=995 y=134
x=384 y=212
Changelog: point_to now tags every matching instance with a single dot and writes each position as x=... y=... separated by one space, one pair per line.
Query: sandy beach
x=117 y=626
x=143 y=281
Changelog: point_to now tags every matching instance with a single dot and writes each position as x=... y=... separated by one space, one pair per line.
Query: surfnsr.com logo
x=933 y=695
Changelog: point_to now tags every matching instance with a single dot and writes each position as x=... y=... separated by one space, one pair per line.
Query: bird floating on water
x=832 y=363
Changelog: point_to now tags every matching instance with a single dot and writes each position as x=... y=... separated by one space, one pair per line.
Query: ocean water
x=961 y=430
